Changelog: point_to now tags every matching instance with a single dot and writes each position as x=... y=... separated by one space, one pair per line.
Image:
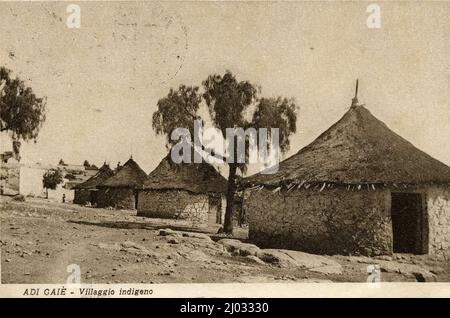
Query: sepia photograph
x=148 y=144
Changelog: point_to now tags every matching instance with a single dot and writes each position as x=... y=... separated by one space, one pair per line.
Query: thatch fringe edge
x=322 y=186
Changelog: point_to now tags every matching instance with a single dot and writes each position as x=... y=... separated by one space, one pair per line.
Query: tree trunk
x=228 y=224
x=46 y=193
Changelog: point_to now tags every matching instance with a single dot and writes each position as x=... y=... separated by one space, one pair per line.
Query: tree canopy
x=51 y=179
x=21 y=112
x=230 y=104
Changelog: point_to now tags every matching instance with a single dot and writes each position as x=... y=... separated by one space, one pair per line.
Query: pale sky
x=103 y=80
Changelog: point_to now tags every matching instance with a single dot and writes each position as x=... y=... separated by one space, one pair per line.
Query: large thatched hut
x=359 y=188
x=192 y=191
x=121 y=190
x=86 y=192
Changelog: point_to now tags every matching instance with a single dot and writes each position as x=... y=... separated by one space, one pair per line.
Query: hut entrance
x=407 y=223
x=93 y=197
x=136 y=196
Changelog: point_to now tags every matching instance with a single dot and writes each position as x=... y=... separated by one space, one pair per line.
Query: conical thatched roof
x=102 y=175
x=193 y=177
x=130 y=175
x=358 y=149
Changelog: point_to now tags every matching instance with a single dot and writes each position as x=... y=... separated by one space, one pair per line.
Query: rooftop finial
x=355 y=99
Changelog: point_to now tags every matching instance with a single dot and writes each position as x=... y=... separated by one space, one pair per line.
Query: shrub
x=19 y=197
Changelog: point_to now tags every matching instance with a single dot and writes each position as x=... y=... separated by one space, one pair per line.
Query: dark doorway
x=93 y=197
x=407 y=223
x=136 y=196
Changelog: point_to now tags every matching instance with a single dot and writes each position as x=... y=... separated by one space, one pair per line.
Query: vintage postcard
x=225 y=149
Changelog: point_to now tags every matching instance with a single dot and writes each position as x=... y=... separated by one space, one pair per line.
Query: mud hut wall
x=174 y=204
x=81 y=196
x=438 y=207
x=215 y=208
x=10 y=178
x=221 y=210
x=332 y=221
x=122 y=198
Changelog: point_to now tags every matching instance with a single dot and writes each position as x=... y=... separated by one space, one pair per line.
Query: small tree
x=51 y=179
x=86 y=164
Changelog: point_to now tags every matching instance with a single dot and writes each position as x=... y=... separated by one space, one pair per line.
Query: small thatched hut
x=359 y=188
x=120 y=190
x=190 y=191
x=86 y=192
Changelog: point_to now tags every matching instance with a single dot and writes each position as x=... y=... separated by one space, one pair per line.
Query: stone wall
x=237 y=210
x=9 y=178
x=120 y=198
x=174 y=204
x=82 y=196
x=438 y=206
x=215 y=207
x=332 y=221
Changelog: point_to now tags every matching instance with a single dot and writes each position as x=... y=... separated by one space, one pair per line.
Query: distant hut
x=86 y=192
x=359 y=188
x=191 y=191
x=120 y=190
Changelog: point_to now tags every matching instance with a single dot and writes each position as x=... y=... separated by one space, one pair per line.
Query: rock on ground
x=283 y=258
x=238 y=248
x=421 y=274
x=254 y=259
x=127 y=246
x=311 y=262
x=169 y=232
x=19 y=197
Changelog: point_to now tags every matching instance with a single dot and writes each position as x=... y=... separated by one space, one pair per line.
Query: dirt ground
x=40 y=239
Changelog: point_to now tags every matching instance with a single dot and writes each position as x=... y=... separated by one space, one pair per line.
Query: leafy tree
x=61 y=163
x=86 y=164
x=21 y=112
x=51 y=179
x=231 y=104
